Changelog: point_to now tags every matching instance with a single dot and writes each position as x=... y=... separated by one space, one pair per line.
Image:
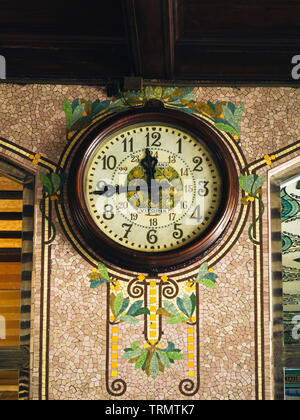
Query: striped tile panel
x=9 y=385
x=16 y=255
x=11 y=207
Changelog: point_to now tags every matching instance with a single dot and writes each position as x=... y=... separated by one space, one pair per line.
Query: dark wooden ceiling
x=216 y=41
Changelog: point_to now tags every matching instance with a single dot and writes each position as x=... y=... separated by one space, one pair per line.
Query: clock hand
x=110 y=190
x=149 y=163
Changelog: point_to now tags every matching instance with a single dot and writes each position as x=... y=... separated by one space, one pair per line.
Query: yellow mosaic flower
x=70 y=134
x=190 y=289
x=115 y=285
x=164 y=278
x=246 y=199
x=35 y=158
x=269 y=159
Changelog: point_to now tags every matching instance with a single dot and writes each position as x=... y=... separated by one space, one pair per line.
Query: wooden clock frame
x=148 y=262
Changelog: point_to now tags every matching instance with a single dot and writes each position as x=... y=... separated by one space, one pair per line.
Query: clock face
x=152 y=187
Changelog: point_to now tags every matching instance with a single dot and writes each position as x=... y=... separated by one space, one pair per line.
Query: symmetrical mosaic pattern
x=76 y=349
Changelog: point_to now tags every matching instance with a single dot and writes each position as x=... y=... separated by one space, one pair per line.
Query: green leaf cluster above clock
x=152 y=189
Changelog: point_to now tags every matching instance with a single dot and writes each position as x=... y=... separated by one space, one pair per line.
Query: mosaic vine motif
x=252 y=184
x=52 y=185
x=224 y=115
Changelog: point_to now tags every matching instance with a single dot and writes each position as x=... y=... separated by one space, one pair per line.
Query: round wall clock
x=152 y=189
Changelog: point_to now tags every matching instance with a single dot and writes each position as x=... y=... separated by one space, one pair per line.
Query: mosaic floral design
x=152 y=359
x=182 y=313
x=224 y=115
x=52 y=186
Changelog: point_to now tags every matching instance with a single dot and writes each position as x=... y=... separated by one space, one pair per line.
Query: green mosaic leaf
x=132 y=354
x=77 y=114
x=103 y=271
x=134 y=307
x=176 y=319
x=211 y=276
x=238 y=113
x=258 y=182
x=170 y=307
x=96 y=283
x=249 y=183
x=75 y=103
x=142 y=311
x=229 y=116
x=141 y=360
x=227 y=128
x=208 y=283
x=157 y=92
x=46 y=183
x=68 y=112
x=129 y=319
x=135 y=345
x=181 y=306
x=187 y=303
x=219 y=108
x=149 y=92
x=154 y=366
x=124 y=305
x=118 y=303
x=194 y=301
x=164 y=359
x=202 y=270
x=164 y=312
x=112 y=299
x=174 y=355
x=171 y=347
x=87 y=107
x=242 y=181
x=55 y=179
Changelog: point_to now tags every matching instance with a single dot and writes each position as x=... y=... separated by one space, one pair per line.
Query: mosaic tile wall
x=68 y=340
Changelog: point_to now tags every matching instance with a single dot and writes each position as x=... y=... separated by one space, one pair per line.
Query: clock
x=152 y=189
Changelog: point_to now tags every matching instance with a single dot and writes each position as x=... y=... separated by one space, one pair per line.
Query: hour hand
x=110 y=190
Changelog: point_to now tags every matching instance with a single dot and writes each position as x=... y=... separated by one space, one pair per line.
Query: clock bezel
x=140 y=261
